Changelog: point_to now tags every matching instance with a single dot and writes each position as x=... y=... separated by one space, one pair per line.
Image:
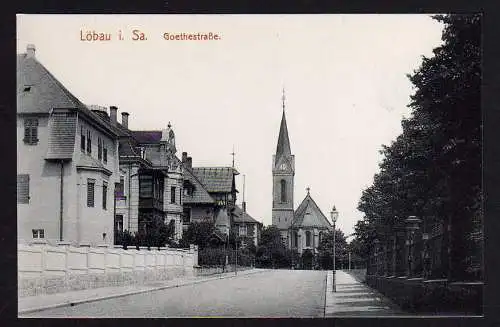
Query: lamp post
x=334 y=215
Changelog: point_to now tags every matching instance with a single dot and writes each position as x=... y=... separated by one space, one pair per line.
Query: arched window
x=308 y=238
x=283 y=191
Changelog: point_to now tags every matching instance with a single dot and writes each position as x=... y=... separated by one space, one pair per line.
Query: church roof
x=216 y=179
x=283 y=147
x=308 y=214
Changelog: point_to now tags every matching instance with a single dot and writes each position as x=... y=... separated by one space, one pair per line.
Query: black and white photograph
x=249 y=166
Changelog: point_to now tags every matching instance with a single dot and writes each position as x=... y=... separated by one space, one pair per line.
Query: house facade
x=67 y=161
x=219 y=186
x=245 y=227
x=151 y=180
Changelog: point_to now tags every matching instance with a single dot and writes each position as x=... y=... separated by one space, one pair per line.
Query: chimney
x=125 y=119
x=189 y=162
x=30 y=51
x=184 y=157
x=244 y=206
x=112 y=114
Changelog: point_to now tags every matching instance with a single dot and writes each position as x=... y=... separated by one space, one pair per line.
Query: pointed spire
x=283 y=147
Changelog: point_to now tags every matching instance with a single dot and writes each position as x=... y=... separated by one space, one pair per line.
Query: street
x=275 y=293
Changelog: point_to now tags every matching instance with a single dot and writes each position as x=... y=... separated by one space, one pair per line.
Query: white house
x=67 y=161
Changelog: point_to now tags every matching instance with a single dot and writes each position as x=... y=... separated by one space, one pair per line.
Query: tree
x=199 y=233
x=271 y=251
x=325 y=249
x=433 y=169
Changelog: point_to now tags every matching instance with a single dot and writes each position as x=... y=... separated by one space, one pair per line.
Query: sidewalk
x=356 y=299
x=50 y=301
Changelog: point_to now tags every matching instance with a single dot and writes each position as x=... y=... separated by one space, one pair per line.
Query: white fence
x=46 y=268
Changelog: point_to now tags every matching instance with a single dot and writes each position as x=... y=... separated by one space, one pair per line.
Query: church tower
x=283 y=175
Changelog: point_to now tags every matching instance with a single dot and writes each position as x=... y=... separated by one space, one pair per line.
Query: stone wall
x=47 y=269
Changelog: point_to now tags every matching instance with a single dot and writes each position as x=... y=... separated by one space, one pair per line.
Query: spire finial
x=169 y=125
x=283 y=98
x=308 y=189
x=233 y=153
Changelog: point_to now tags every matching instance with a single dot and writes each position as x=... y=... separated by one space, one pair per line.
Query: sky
x=344 y=78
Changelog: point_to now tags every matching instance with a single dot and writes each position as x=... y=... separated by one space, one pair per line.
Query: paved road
x=274 y=293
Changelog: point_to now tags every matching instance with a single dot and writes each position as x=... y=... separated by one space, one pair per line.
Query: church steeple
x=283 y=147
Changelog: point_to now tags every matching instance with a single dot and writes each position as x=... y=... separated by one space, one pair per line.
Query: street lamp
x=334 y=215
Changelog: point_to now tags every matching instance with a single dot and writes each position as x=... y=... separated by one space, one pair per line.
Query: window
x=119 y=223
x=186 y=217
x=99 y=148
x=89 y=143
x=104 y=153
x=180 y=196
x=295 y=239
x=90 y=192
x=38 y=233
x=82 y=140
x=23 y=188
x=308 y=238
x=119 y=188
x=243 y=230
x=104 y=194
x=31 y=131
x=145 y=186
x=172 y=194
x=27 y=88
x=283 y=191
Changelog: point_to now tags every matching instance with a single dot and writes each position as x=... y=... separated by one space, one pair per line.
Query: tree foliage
x=433 y=169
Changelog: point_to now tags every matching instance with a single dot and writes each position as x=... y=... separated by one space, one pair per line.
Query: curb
x=105 y=297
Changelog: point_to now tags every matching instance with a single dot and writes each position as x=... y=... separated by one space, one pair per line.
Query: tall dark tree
x=433 y=169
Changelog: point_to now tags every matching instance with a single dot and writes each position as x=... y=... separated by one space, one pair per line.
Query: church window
x=308 y=238
x=283 y=191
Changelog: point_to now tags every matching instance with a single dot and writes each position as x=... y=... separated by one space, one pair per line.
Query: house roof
x=62 y=133
x=200 y=194
x=216 y=179
x=147 y=136
x=308 y=214
x=38 y=91
x=241 y=216
x=90 y=163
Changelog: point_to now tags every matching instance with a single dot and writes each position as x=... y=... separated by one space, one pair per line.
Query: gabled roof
x=216 y=179
x=240 y=216
x=283 y=147
x=200 y=194
x=308 y=214
x=38 y=91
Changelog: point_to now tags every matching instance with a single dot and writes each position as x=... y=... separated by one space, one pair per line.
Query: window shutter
x=99 y=148
x=23 y=190
x=104 y=195
x=90 y=192
x=34 y=134
x=27 y=134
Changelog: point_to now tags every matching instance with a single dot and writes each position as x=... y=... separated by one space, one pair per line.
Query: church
x=301 y=229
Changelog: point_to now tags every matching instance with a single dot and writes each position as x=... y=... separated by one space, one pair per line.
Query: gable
x=308 y=214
